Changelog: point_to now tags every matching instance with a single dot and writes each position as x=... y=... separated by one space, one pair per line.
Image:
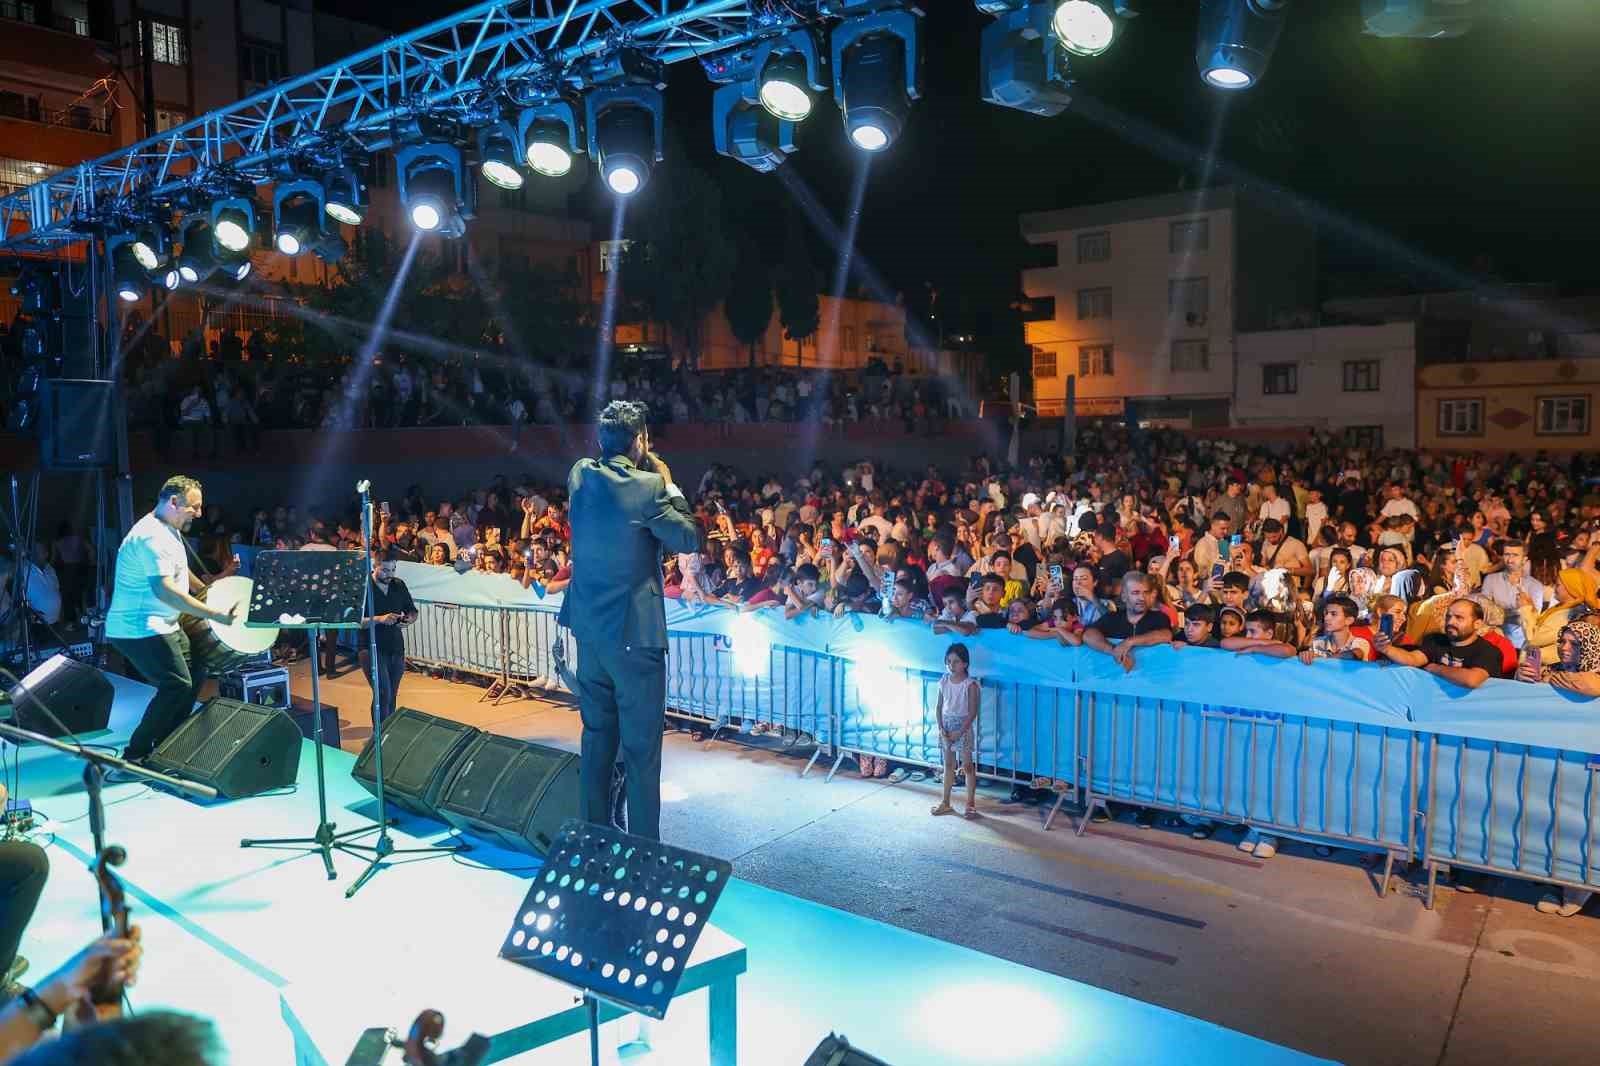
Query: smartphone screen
x=1055 y=574
x=1236 y=540
x=1217 y=570
x=1386 y=625
x=1172 y=545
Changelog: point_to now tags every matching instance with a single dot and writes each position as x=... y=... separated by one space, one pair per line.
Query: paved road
x=1297 y=949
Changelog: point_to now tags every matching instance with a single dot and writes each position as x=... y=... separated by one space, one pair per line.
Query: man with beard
x=153 y=587
x=1458 y=654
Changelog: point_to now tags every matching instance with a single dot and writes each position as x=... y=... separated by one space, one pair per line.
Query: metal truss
x=463 y=66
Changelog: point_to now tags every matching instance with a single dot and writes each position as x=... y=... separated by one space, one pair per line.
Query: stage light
x=168 y=276
x=875 y=66
x=297 y=208
x=232 y=221
x=1236 y=39
x=147 y=247
x=625 y=134
x=198 y=259
x=1020 y=66
x=437 y=199
x=1427 y=19
x=783 y=88
x=747 y=132
x=235 y=265
x=548 y=134
x=497 y=159
x=330 y=246
x=1084 y=27
x=128 y=278
x=344 y=197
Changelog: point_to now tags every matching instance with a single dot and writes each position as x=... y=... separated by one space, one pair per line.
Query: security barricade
x=1497 y=779
x=1514 y=809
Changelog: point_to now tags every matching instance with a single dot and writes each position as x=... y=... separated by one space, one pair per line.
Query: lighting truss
x=455 y=65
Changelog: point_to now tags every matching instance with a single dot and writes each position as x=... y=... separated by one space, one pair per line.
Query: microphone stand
x=383 y=847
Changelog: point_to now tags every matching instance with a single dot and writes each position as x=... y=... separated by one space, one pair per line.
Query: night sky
x=1475 y=157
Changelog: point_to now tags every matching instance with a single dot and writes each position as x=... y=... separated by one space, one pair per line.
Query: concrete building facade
x=1358 y=382
x=1139 y=300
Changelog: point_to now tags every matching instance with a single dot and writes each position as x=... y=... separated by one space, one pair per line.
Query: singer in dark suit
x=624 y=510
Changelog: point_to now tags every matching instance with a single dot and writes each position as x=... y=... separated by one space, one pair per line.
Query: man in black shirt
x=1458 y=654
x=390 y=607
x=1114 y=562
x=1135 y=626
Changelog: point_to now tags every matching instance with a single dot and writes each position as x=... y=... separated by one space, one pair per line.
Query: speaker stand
x=324 y=840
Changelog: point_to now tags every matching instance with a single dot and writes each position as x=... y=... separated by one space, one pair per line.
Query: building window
x=1563 y=416
x=19 y=105
x=1094 y=247
x=16 y=174
x=1034 y=309
x=1361 y=375
x=1190 y=355
x=1044 y=363
x=849 y=338
x=1191 y=235
x=260 y=63
x=1189 y=298
x=1367 y=438
x=170 y=118
x=1094 y=303
x=1280 y=379
x=1094 y=361
x=1461 y=418
x=168 y=44
x=611 y=253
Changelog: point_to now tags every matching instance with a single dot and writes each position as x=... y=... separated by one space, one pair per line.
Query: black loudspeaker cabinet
x=75 y=425
x=419 y=751
x=239 y=749
x=79 y=695
x=514 y=792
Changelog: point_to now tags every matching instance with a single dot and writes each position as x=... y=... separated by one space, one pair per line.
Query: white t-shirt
x=1399 y=505
x=151 y=549
x=1278 y=508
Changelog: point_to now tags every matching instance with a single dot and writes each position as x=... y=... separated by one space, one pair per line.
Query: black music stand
x=317 y=590
x=615 y=916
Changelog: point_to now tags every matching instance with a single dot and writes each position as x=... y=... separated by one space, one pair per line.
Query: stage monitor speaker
x=75 y=426
x=239 y=749
x=419 y=750
x=77 y=694
x=514 y=792
x=835 y=1050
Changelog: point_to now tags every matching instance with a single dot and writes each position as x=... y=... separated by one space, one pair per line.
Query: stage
x=291 y=971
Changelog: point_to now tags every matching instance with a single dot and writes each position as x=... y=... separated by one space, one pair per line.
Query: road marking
x=1184 y=883
x=1089 y=938
x=1072 y=893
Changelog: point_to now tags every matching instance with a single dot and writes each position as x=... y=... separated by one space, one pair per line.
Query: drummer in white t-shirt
x=153 y=587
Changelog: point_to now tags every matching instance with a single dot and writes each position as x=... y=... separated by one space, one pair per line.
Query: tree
x=677 y=267
x=798 y=307
x=749 y=305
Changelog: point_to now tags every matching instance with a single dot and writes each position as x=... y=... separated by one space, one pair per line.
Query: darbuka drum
x=218 y=648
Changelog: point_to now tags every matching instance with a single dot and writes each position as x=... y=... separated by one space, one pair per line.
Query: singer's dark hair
x=177 y=485
x=620 y=422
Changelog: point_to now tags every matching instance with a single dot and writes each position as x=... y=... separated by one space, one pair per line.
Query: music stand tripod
x=316 y=591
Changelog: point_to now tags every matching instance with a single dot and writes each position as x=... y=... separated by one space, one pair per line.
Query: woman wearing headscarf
x=1576 y=670
x=1577 y=592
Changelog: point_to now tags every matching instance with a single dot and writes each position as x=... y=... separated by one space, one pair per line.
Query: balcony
x=28 y=109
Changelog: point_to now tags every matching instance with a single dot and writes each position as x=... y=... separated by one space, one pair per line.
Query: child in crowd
x=1336 y=641
x=957 y=714
x=804 y=594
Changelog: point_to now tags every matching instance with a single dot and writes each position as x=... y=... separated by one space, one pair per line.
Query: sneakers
x=1260 y=845
x=1564 y=901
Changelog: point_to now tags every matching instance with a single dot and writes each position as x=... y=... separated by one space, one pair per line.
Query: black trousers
x=167 y=663
x=24 y=868
x=622 y=699
x=391 y=668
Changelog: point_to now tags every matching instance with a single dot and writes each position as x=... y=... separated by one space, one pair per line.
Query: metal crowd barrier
x=1503 y=808
x=1512 y=809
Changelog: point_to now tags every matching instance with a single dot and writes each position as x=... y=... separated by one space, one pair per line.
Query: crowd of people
x=214 y=399
x=1467 y=566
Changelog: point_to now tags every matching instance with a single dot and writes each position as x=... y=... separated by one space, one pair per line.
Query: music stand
x=615 y=916
x=317 y=590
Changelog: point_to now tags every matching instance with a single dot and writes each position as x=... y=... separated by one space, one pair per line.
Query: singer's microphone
x=363 y=485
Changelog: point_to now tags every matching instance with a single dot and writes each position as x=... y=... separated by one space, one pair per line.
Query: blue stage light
x=1236 y=39
x=549 y=137
x=1020 y=65
x=748 y=132
x=129 y=278
x=344 y=196
x=436 y=196
x=197 y=260
x=625 y=134
x=1084 y=27
x=498 y=156
x=233 y=220
x=875 y=68
x=297 y=208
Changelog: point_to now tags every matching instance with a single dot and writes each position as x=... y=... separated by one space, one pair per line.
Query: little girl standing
x=958 y=719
